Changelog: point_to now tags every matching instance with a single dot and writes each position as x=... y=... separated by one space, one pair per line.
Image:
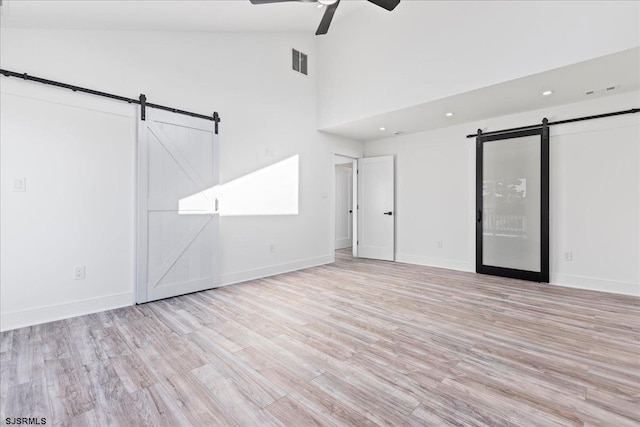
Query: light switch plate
x=19 y=184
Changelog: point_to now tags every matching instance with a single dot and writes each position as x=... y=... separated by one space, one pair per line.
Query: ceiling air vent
x=299 y=61
x=603 y=90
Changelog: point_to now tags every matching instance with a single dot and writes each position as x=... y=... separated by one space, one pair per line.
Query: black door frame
x=535 y=276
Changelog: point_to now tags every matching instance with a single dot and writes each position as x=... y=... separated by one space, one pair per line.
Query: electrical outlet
x=439 y=244
x=78 y=272
x=19 y=184
x=567 y=255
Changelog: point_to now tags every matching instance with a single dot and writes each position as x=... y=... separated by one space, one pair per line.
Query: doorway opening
x=342 y=210
x=363 y=206
x=343 y=207
x=342 y=213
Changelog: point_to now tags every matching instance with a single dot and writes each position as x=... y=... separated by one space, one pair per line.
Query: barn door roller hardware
x=560 y=122
x=142 y=100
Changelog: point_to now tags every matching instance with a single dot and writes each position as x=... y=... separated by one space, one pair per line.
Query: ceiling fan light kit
x=331 y=6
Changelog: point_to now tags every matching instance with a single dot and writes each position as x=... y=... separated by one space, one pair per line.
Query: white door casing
x=178 y=221
x=354 y=204
x=376 y=208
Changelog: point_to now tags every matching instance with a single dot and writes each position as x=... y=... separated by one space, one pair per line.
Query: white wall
x=594 y=196
x=375 y=61
x=77 y=153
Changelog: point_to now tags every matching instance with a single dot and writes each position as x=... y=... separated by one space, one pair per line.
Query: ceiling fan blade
x=326 y=18
x=269 y=1
x=385 y=4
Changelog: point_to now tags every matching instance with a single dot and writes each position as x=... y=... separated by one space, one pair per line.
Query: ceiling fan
x=331 y=6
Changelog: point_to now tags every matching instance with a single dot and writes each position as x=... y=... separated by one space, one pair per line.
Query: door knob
x=388 y=213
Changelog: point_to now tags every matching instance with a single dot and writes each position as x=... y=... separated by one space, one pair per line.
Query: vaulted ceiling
x=212 y=15
x=569 y=83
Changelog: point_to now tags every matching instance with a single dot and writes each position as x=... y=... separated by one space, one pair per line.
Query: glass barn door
x=512 y=197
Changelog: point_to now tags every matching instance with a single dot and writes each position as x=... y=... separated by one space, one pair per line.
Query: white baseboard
x=342 y=244
x=610 y=286
x=272 y=270
x=451 y=264
x=35 y=316
x=578 y=282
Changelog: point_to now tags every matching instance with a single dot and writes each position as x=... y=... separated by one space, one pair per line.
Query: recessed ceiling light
x=383 y=129
x=327 y=2
x=449 y=114
x=547 y=92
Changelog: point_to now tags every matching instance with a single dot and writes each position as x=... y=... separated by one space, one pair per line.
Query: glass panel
x=511 y=197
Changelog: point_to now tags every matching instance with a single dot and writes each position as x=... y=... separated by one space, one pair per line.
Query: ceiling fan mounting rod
x=331 y=6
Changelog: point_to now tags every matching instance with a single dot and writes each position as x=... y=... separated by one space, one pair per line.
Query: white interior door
x=376 y=208
x=343 y=206
x=178 y=222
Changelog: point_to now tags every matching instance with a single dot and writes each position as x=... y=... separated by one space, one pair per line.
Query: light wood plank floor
x=353 y=343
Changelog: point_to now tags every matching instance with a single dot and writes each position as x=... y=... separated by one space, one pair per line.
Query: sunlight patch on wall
x=200 y=203
x=272 y=190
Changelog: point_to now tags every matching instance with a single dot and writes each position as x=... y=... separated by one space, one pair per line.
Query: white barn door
x=178 y=222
